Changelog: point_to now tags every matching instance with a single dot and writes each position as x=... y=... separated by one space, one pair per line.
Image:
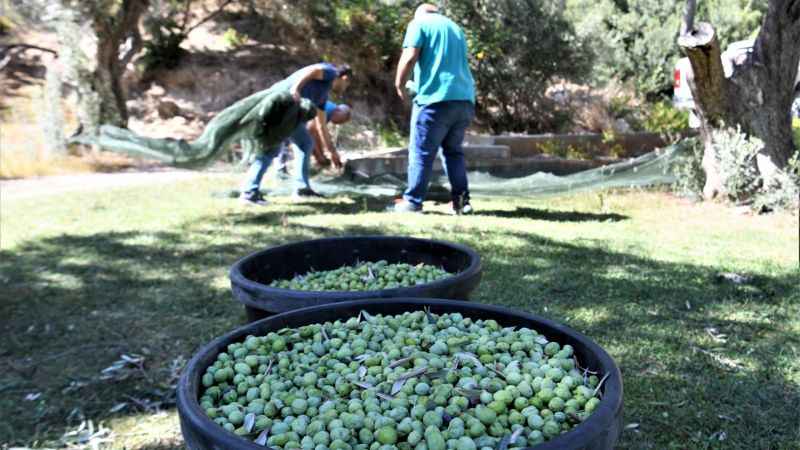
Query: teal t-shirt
x=442 y=70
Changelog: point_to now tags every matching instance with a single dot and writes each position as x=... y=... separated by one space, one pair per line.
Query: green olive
x=411 y=381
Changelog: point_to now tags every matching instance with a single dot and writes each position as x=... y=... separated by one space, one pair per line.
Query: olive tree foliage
x=367 y=34
x=635 y=40
x=517 y=48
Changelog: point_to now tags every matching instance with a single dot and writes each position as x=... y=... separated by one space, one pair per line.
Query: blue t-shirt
x=442 y=70
x=316 y=90
x=329 y=108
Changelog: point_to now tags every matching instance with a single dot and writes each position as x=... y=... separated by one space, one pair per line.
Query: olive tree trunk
x=757 y=96
x=95 y=61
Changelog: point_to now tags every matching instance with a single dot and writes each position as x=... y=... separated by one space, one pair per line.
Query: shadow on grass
x=704 y=363
x=357 y=204
x=698 y=357
x=553 y=216
x=72 y=305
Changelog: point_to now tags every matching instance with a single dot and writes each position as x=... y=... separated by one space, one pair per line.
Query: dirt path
x=34 y=187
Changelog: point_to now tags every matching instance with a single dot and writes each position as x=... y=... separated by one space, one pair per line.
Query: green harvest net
x=654 y=168
x=260 y=122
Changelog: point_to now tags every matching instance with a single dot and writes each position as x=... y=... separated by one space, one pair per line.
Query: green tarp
x=260 y=121
x=651 y=169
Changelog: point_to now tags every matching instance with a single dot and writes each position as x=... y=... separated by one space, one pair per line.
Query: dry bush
x=614 y=107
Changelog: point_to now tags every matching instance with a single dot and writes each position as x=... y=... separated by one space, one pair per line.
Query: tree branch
x=709 y=89
x=136 y=46
x=186 y=16
x=7 y=48
x=688 y=17
x=127 y=24
x=7 y=52
x=210 y=16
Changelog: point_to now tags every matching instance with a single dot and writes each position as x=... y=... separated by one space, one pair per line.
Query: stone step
x=493 y=151
x=398 y=165
x=396 y=160
x=585 y=144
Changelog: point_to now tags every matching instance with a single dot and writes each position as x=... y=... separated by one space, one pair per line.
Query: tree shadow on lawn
x=357 y=204
x=553 y=216
x=361 y=203
x=699 y=358
x=75 y=303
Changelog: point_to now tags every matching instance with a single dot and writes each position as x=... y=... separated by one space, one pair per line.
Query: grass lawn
x=87 y=277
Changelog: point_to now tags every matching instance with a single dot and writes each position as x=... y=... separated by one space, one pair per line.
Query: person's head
x=425 y=8
x=341 y=82
x=341 y=114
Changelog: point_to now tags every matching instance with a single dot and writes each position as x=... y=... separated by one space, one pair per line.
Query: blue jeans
x=441 y=124
x=302 y=140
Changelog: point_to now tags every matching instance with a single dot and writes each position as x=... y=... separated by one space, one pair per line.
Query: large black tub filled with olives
x=252 y=276
x=401 y=374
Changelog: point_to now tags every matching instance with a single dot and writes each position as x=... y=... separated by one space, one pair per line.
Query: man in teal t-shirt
x=443 y=107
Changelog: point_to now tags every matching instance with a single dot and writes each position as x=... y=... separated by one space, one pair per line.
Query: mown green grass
x=87 y=277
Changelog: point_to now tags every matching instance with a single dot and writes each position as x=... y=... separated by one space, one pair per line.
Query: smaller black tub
x=599 y=432
x=250 y=276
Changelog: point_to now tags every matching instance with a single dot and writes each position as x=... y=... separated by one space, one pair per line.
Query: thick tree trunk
x=709 y=89
x=773 y=69
x=96 y=72
x=757 y=96
x=112 y=32
x=107 y=83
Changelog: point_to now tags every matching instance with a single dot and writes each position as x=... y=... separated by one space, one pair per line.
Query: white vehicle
x=736 y=53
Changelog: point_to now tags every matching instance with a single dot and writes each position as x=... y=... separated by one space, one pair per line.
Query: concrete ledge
x=590 y=144
x=497 y=166
x=479 y=151
x=523 y=154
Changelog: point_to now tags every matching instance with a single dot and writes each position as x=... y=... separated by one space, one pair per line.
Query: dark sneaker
x=307 y=193
x=461 y=205
x=402 y=206
x=252 y=198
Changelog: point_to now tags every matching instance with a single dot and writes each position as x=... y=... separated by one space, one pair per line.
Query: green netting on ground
x=652 y=169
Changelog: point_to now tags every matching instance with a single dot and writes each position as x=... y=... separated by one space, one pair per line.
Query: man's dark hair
x=344 y=69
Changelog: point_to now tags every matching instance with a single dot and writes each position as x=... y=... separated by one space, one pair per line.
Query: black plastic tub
x=251 y=275
x=600 y=431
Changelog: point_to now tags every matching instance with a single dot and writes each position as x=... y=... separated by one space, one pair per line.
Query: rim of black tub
x=600 y=430
x=237 y=274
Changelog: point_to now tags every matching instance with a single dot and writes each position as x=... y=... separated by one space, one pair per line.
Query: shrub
x=163 y=49
x=519 y=47
x=665 y=119
x=688 y=169
x=6 y=25
x=169 y=23
x=735 y=154
x=234 y=39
